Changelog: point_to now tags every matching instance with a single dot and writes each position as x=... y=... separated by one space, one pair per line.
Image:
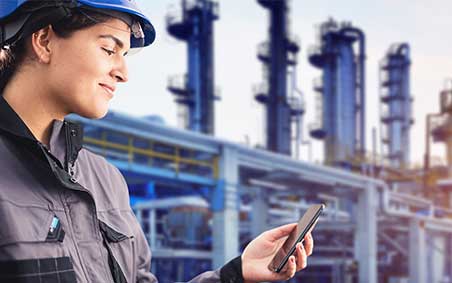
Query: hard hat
x=15 y=13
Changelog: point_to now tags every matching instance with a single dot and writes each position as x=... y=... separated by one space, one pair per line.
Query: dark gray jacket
x=65 y=214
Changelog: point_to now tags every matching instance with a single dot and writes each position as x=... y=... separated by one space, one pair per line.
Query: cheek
x=75 y=83
x=79 y=75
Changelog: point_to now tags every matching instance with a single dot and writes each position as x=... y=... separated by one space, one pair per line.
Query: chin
x=97 y=113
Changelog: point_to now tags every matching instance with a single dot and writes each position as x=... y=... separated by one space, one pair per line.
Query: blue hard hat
x=10 y=24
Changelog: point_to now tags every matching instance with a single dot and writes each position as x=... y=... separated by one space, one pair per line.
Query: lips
x=109 y=89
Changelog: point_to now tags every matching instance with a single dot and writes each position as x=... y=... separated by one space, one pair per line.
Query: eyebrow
x=115 y=39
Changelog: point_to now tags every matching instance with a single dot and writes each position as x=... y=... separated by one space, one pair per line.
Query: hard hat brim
x=128 y=7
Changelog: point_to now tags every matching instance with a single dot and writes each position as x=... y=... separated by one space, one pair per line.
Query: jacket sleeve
x=143 y=256
x=229 y=273
x=143 y=252
x=207 y=277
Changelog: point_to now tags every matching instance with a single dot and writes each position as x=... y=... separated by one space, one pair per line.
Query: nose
x=120 y=72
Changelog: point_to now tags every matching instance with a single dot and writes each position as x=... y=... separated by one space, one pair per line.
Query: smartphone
x=305 y=225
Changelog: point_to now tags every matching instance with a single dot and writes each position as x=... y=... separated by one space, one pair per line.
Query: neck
x=29 y=98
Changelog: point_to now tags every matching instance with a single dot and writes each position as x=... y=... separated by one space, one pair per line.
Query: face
x=85 y=68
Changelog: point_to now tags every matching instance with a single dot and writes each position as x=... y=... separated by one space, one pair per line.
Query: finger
x=291 y=269
x=309 y=244
x=302 y=259
x=279 y=232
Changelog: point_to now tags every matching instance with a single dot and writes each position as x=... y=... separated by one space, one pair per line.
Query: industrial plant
x=201 y=199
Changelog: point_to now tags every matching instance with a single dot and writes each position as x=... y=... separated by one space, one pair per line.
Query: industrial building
x=201 y=199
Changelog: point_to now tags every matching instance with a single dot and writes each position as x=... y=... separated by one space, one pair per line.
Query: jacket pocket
x=58 y=269
x=29 y=232
x=31 y=245
x=120 y=243
x=23 y=224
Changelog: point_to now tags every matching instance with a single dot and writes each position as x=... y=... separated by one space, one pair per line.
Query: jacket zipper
x=76 y=187
x=67 y=164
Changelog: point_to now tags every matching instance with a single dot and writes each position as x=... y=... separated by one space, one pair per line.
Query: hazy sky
x=243 y=24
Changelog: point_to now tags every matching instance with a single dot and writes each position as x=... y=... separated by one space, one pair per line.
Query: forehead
x=118 y=24
x=116 y=28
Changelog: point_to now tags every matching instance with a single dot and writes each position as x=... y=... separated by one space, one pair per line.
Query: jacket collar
x=12 y=123
x=66 y=138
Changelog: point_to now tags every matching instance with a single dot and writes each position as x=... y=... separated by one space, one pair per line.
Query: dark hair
x=14 y=55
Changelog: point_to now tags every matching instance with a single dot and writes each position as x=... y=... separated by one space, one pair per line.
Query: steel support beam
x=418 y=252
x=260 y=210
x=366 y=235
x=226 y=220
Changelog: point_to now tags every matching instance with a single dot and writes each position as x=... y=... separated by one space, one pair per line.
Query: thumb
x=279 y=232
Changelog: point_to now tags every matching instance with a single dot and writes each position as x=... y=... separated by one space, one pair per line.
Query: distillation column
x=439 y=126
x=442 y=125
x=279 y=56
x=341 y=92
x=396 y=104
x=195 y=92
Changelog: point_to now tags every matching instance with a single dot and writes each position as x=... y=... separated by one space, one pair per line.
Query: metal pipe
x=427 y=148
x=431 y=222
x=300 y=135
x=390 y=241
x=402 y=47
x=374 y=153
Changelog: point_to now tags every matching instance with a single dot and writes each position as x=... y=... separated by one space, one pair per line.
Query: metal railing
x=294 y=39
x=263 y=50
x=314 y=50
x=176 y=15
x=261 y=88
x=292 y=58
x=314 y=126
x=318 y=84
x=439 y=121
x=178 y=82
x=384 y=134
x=154 y=154
x=395 y=114
x=296 y=104
x=199 y=4
x=319 y=109
x=446 y=100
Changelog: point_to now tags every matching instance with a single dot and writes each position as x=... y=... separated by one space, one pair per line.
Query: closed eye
x=109 y=52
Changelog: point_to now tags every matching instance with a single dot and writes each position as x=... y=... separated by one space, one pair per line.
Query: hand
x=258 y=254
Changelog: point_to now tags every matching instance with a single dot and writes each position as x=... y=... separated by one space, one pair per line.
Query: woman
x=64 y=211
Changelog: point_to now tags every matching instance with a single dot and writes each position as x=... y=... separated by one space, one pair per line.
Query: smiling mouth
x=108 y=90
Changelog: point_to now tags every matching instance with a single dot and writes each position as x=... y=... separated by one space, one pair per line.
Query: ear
x=41 y=42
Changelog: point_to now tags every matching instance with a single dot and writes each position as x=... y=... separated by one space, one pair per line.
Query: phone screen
x=305 y=225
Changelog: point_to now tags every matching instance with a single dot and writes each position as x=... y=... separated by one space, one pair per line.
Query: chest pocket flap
x=120 y=243
x=21 y=224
